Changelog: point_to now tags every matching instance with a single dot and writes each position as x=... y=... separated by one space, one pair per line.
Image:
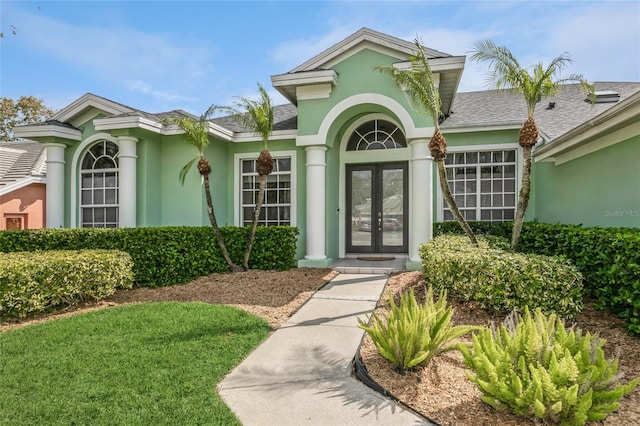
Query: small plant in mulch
x=536 y=368
x=411 y=334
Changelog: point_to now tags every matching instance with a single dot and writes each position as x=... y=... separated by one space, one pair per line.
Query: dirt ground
x=441 y=392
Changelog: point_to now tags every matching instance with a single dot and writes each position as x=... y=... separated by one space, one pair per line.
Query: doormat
x=376 y=258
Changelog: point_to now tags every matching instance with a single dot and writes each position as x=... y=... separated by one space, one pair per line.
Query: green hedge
x=167 y=255
x=32 y=282
x=608 y=258
x=500 y=280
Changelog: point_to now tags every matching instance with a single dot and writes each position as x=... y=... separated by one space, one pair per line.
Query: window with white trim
x=277 y=205
x=483 y=183
x=376 y=134
x=99 y=186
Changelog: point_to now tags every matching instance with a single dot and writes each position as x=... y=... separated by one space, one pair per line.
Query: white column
x=127 y=181
x=421 y=215
x=316 y=164
x=55 y=185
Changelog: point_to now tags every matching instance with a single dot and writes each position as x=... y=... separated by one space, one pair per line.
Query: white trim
x=316 y=91
x=406 y=122
x=74 y=211
x=277 y=135
x=307 y=78
x=398 y=47
x=22 y=183
x=610 y=139
x=86 y=101
x=47 y=130
x=480 y=148
x=474 y=128
x=237 y=177
x=355 y=157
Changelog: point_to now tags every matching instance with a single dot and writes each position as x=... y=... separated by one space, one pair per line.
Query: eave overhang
x=287 y=83
x=47 y=130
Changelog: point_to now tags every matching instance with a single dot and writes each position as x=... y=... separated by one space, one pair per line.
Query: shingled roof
x=20 y=161
x=554 y=116
x=285 y=117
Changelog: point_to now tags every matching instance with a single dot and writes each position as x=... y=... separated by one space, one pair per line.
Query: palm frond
x=418 y=83
x=185 y=169
x=506 y=73
x=255 y=115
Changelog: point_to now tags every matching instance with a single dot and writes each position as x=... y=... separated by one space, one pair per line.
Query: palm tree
x=424 y=96
x=256 y=115
x=196 y=134
x=506 y=73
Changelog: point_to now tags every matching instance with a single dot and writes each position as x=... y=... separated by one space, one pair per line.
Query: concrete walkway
x=301 y=375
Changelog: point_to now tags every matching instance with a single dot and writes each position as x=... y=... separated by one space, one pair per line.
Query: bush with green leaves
x=500 y=280
x=608 y=259
x=411 y=334
x=32 y=282
x=167 y=255
x=536 y=368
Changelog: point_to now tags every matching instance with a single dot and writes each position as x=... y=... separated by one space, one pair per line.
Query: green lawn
x=145 y=364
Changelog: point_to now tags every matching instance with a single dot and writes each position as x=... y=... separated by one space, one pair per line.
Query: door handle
x=379 y=221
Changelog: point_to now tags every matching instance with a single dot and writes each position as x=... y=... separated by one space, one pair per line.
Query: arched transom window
x=99 y=186
x=376 y=134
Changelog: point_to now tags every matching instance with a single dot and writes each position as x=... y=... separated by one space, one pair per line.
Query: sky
x=164 y=55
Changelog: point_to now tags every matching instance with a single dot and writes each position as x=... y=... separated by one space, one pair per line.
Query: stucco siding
x=27 y=203
x=599 y=189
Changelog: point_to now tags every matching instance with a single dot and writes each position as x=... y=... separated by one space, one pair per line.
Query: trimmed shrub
x=534 y=367
x=500 y=280
x=412 y=334
x=608 y=259
x=167 y=255
x=34 y=282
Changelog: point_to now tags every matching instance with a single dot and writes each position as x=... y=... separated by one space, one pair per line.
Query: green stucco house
x=351 y=161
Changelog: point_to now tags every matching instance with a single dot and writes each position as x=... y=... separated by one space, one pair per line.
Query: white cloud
x=134 y=60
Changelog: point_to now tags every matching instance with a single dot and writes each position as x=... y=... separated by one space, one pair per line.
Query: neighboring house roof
x=21 y=163
x=492 y=108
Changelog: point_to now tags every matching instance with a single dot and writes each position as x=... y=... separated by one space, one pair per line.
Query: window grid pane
x=276 y=207
x=99 y=191
x=483 y=184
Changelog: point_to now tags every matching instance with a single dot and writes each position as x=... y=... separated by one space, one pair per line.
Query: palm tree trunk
x=216 y=231
x=254 y=224
x=451 y=203
x=523 y=197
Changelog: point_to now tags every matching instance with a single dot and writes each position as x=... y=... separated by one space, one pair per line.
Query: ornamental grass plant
x=536 y=368
x=411 y=334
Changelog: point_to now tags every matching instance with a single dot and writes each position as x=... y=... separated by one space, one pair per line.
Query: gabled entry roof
x=318 y=70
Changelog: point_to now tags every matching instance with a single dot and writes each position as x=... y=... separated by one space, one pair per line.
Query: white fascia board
x=448 y=63
x=626 y=113
x=86 y=101
x=305 y=78
x=351 y=41
x=47 y=130
x=471 y=128
x=155 y=126
x=131 y=122
x=277 y=135
x=22 y=183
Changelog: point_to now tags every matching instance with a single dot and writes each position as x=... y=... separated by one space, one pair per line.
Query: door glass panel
x=361 y=197
x=392 y=218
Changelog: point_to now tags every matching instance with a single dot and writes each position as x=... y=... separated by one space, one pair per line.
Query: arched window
x=376 y=134
x=99 y=186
